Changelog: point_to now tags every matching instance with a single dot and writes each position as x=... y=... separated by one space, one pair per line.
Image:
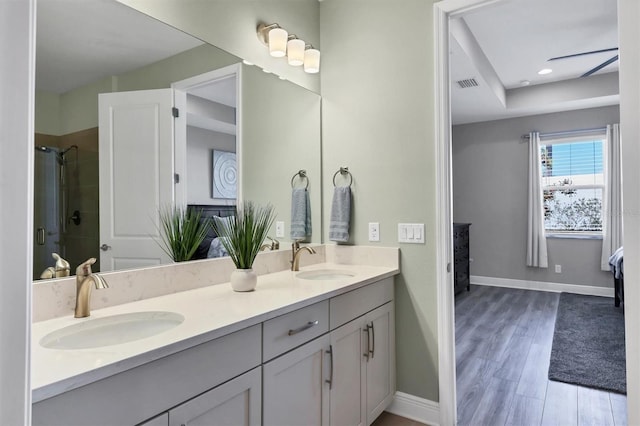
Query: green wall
x=377 y=119
x=231 y=24
x=280 y=135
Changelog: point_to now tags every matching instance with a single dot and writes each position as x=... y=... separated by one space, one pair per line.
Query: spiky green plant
x=243 y=234
x=181 y=231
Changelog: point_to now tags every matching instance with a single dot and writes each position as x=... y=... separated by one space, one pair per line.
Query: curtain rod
x=568 y=132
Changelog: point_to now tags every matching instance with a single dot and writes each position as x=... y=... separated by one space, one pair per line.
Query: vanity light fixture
x=311 y=60
x=281 y=44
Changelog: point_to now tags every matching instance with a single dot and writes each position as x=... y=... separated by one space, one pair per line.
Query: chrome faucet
x=296 y=251
x=84 y=278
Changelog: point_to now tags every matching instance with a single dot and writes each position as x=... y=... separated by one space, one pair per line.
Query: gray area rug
x=588 y=343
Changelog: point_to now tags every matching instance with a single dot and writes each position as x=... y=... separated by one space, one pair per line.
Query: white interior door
x=136 y=176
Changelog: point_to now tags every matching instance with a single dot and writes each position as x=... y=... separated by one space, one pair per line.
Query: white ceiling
x=504 y=44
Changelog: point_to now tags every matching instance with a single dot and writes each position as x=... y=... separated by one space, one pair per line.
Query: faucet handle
x=84 y=269
x=275 y=244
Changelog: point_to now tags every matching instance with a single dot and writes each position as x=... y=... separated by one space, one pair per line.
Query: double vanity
x=310 y=347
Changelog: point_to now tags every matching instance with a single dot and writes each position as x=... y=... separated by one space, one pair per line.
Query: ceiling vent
x=468 y=82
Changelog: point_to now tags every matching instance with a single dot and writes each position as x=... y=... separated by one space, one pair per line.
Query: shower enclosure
x=51 y=205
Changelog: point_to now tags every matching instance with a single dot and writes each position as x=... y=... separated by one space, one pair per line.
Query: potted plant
x=242 y=235
x=181 y=231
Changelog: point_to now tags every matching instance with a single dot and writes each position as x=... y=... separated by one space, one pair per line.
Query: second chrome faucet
x=296 y=251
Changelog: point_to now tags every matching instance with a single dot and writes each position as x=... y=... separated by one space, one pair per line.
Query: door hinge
x=176 y=178
x=175 y=111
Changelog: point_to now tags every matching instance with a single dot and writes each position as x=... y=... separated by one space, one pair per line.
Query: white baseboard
x=415 y=408
x=542 y=286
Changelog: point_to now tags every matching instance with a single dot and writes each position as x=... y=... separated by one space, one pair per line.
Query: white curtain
x=536 y=239
x=612 y=196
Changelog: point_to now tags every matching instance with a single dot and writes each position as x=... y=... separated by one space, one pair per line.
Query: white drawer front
x=288 y=331
x=358 y=302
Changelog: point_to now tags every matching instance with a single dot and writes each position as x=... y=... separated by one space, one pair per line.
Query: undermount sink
x=325 y=274
x=111 y=330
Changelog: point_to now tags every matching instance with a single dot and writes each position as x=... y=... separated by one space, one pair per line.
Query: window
x=573 y=184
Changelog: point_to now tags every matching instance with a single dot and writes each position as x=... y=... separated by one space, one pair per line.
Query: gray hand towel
x=300 y=214
x=340 y=214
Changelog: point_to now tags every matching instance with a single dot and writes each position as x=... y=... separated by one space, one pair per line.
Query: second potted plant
x=242 y=235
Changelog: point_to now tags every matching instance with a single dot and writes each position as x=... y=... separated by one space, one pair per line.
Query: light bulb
x=295 y=52
x=278 y=42
x=311 y=61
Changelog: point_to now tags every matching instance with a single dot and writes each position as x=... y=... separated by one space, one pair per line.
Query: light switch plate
x=411 y=233
x=374 y=231
x=279 y=229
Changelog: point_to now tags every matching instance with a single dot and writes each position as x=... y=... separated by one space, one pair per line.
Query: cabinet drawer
x=358 y=302
x=288 y=331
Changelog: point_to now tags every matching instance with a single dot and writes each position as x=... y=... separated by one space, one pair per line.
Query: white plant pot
x=243 y=280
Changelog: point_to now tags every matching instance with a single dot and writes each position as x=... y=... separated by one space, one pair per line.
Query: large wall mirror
x=91 y=47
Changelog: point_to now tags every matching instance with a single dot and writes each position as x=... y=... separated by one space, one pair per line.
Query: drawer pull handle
x=303 y=328
x=330 y=380
x=366 y=352
x=373 y=340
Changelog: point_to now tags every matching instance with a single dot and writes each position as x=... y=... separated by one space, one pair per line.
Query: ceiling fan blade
x=583 y=53
x=599 y=67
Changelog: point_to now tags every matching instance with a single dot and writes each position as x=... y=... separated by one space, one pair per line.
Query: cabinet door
x=380 y=365
x=295 y=391
x=348 y=381
x=236 y=402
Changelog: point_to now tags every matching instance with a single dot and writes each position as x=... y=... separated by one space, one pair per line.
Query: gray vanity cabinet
x=329 y=363
x=345 y=377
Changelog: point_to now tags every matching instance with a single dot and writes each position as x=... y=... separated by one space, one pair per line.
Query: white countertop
x=209 y=312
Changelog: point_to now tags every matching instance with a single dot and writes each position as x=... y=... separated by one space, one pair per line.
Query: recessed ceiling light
x=266 y=71
x=247 y=62
x=525 y=82
x=545 y=71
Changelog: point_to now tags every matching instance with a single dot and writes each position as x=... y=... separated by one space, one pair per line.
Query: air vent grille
x=468 y=82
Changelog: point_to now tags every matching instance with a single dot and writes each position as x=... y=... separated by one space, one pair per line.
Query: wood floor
x=503 y=344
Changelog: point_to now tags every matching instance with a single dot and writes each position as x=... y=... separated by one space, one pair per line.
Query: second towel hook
x=343 y=171
x=302 y=174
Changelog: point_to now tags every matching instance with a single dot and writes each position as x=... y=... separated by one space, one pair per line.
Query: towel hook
x=303 y=175
x=343 y=171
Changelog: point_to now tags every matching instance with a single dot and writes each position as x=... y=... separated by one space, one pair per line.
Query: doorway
x=444 y=12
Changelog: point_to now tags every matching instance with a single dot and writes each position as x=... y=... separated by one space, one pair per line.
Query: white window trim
x=584 y=137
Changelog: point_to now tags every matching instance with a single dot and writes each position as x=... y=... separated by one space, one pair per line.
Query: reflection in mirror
x=101 y=46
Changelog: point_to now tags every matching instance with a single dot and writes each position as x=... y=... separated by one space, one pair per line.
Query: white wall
x=490 y=163
x=17 y=44
x=629 y=34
